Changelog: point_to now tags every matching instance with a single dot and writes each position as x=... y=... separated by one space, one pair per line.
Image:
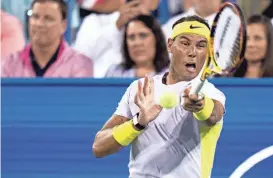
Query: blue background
x=48 y=127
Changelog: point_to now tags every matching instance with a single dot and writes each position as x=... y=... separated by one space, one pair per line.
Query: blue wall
x=48 y=126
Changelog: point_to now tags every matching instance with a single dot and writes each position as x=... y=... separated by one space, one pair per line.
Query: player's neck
x=173 y=78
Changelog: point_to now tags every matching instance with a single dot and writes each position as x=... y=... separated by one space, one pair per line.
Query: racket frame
x=210 y=66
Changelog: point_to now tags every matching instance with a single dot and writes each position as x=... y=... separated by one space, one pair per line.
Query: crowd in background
x=115 y=38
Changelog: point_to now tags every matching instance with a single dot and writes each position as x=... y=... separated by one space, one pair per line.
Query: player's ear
x=170 y=43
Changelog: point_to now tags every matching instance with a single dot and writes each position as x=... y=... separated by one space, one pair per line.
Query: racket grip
x=196 y=86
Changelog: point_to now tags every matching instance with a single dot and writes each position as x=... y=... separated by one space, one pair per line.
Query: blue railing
x=48 y=126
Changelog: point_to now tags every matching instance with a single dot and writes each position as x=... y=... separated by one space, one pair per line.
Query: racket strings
x=227 y=39
x=235 y=51
x=225 y=32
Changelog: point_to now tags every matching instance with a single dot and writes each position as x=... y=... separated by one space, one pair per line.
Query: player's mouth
x=191 y=67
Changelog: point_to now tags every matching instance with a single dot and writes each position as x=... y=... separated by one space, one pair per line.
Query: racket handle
x=196 y=86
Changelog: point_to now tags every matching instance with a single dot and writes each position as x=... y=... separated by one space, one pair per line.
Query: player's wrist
x=138 y=125
x=206 y=111
x=142 y=120
x=125 y=133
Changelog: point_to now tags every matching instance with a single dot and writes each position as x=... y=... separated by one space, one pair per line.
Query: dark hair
x=62 y=4
x=191 y=18
x=161 y=59
x=267 y=62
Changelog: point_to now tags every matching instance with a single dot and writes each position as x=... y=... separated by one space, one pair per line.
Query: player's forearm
x=105 y=144
x=211 y=113
x=214 y=117
x=217 y=113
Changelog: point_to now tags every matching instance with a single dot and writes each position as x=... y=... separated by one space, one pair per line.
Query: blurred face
x=189 y=53
x=46 y=25
x=256 y=42
x=186 y=4
x=150 y=4
x=207 y=7
x=141 y=43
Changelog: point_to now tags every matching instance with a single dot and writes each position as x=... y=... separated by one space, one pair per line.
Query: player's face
x=189 y=53
x=141 y=43
x=256 y=42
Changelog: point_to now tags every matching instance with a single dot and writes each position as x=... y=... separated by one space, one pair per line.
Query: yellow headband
x=194 y=27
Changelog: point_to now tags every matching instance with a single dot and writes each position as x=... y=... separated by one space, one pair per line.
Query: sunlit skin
x=189 y=52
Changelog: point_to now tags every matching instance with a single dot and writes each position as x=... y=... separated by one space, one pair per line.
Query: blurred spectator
x=12 y=35
x=144 y=48
x=259 y=53
x=187 y=4
x=179 y=6
x=100 y=35
x=18 y=8
x=268 y=11
x=102 y=6
x=87 y=4
x=204 y=8
x=47 y=55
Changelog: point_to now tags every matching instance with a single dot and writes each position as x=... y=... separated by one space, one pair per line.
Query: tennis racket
x=227 y=45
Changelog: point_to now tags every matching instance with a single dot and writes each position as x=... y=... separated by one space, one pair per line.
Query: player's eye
x=202 y=45
x=185 y=43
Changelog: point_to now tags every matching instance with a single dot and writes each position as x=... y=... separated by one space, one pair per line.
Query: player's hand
x=129 y=11
x=192 y=103
x=144 y=99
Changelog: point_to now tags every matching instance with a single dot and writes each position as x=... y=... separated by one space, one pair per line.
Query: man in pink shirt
x=47 y=55
x=12 y=35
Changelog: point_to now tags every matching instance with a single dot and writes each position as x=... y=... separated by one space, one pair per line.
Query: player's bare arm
x=104 y=143
x=217 y=113
x=195 y=104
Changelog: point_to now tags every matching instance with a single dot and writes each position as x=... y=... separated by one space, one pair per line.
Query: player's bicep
x=114 y=121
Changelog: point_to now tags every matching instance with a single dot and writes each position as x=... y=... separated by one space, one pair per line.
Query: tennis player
x=169 y=143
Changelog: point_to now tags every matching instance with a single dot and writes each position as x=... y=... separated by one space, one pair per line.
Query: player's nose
x=192 y=52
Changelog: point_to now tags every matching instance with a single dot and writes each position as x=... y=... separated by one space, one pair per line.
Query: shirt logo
x=193 y=27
